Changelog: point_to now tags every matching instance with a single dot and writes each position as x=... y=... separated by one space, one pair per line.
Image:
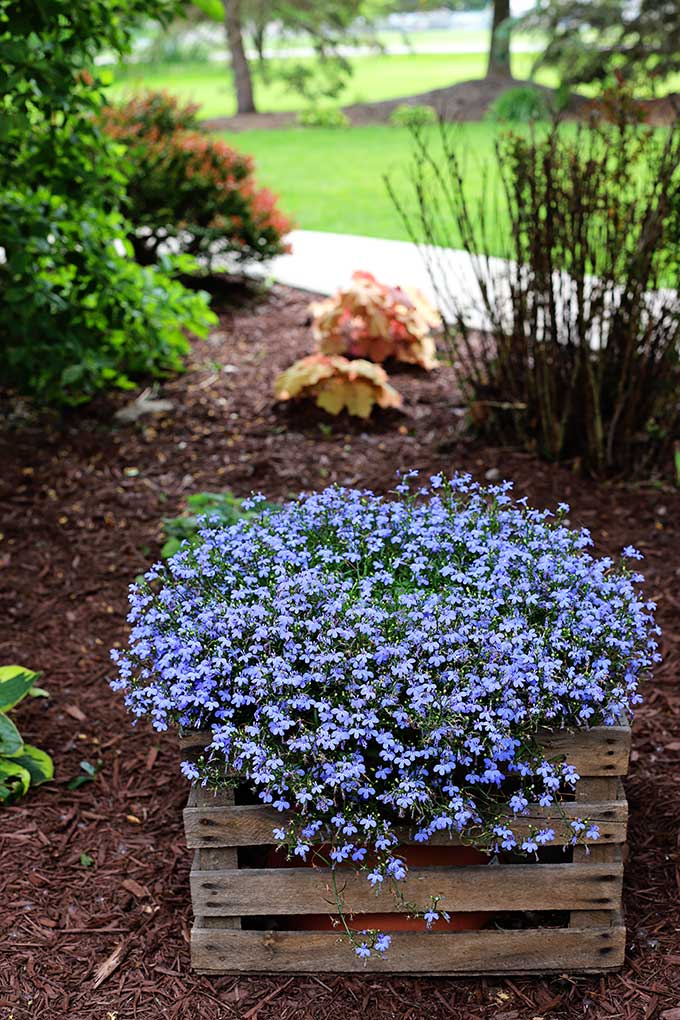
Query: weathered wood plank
x=206 y=825
x=540 y=950
x=492 y=887
x=600 y=751
x=600 y=853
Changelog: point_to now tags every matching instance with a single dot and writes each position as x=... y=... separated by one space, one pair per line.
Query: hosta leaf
x=37 y=763
x=14 y=780
x=15 y=683
x=10 y=738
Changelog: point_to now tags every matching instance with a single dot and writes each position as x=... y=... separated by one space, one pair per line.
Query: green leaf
x=38 y=692
x=36 y=762
x=15 y=683
x=170 y=547
x=10 y=738
x=86 y=860
x=14 y=780
x=90 y=771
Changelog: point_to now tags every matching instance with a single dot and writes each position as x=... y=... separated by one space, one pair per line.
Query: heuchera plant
x=338 y=383
x=371 y=320
x=371 y=664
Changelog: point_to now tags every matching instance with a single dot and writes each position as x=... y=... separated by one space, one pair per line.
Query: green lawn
x=375 y=77
x=333 y=179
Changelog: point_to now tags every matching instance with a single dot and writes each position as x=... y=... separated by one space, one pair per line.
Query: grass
x=334 y=179
x=374 y=78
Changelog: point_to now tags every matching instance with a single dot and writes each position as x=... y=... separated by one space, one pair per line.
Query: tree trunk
x=239 y=62
x=499 y=49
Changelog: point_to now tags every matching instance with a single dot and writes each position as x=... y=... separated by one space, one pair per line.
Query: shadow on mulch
x=82 y=500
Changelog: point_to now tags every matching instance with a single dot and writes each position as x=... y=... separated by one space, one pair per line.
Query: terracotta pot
x=418 y=856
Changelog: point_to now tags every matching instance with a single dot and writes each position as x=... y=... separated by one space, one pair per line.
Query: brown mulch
x=464 y=101
x=80 y=507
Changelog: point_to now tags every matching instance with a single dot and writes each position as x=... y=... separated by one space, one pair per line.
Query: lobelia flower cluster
x=370 y=664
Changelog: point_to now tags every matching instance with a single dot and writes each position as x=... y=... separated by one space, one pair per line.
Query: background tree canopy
x=590 y=40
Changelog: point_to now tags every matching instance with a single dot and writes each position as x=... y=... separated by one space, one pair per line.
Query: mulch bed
x=464 y=101
x=81 y=504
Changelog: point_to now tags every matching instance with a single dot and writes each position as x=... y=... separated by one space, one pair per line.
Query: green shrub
x=407 y=116
x=520 y=105
x=190 y=187
x=21 y=765
x=76 y=313
x=323 y=118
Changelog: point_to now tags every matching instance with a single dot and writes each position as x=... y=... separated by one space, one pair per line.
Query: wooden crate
x=583 y=884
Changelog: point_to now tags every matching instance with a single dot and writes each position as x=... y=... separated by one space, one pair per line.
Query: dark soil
x=81 y=505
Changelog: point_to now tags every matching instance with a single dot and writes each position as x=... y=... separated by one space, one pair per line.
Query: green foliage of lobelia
x=21 y=764
x=204 y=509
x=76 y=313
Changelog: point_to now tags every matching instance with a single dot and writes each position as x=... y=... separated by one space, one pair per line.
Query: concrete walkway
x=323 y=262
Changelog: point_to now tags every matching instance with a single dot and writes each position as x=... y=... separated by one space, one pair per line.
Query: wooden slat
x=202 y=862
x=488 y=887
x=542 y=950
x=206 y=825
x=600 y=751
x=599 y=853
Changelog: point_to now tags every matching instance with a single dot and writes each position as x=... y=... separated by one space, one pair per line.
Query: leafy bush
x=369 y=663
x=148 y=112
x=323 y=118
x=21 y=765
x=580 y=358
x=520 y=105
x=372 y=320
x=94 y=317
x=205 y=509
x=413 y=116
x=337 y=383
x=191 y=188
x=76 y=313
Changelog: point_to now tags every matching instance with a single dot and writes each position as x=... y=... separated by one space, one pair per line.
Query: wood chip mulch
x=94 y=898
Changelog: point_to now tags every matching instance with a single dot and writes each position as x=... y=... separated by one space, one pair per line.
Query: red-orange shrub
x=189 y=188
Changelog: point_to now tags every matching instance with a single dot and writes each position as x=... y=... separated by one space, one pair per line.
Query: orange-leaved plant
x=369 y=319
x=337 y=383
x=190 y=188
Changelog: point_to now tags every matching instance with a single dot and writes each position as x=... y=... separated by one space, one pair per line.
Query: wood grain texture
x=534 y=951
x=590 y=789
x=207 y=824
x=488 y=887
